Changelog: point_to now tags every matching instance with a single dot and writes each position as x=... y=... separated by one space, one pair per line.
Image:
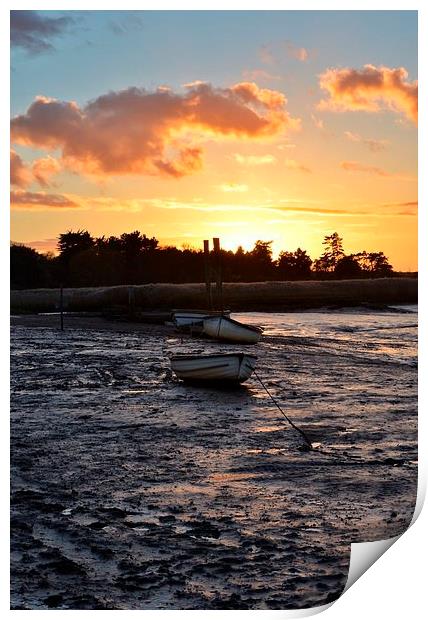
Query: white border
x=395 y=585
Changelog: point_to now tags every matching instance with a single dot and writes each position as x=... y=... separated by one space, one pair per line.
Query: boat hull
x=186 y=318
x=221 y=368
x=224 y=328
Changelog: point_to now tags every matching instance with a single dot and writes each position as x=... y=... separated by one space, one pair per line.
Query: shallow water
x=131 y=490
x=385 y=336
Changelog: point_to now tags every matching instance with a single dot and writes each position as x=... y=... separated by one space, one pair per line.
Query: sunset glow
x=282 y=126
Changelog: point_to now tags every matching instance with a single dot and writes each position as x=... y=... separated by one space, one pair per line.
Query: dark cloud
x=28 y=200
x=130 y=21
x=34 y=32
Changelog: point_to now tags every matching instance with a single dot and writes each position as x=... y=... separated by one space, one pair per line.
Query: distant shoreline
x=239 y=297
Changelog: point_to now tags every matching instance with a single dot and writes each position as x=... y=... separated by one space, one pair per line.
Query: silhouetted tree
x=332 y=254
x=262 y=251
x=133 y=245
x=135 y=258
x=110 y=244
x=28 y=268
x=87 y=268
x=109 y=261
x=236 y=265
x=347 y=267
x=70 y=244
x=374 y=263
x=294 y=265
x=261 y=256
x=380 y=264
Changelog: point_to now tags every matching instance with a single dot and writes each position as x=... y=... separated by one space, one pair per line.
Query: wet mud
x=131 y=490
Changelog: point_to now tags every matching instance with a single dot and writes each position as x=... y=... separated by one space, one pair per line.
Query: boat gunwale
x=211 y=355
x=254 y=328
x=210 y=313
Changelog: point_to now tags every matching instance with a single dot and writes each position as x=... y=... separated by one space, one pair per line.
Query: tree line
x=133 y=258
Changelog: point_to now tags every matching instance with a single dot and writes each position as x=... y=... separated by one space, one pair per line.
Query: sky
x=244 y=125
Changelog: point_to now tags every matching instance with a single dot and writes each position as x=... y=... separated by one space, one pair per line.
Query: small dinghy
x=187 y=318
x=219 y=367
x=225 y=328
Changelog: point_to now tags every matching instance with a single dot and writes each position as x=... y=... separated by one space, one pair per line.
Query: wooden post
x=207 y=273
x=61 y=307
x=219 y=280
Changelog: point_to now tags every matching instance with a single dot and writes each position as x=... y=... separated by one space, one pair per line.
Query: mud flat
x=237 y=296
x=130 y=490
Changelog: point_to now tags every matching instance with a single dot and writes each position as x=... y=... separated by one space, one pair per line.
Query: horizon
x=299 y=124
x=56 y=252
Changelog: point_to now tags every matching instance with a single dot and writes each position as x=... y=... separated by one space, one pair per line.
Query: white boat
x=225 y=328
x=183 y=318
x=219 y=367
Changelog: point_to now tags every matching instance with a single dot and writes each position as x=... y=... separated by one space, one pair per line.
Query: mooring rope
x=317 y=447
x=299 y=430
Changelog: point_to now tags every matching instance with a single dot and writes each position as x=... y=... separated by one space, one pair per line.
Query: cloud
x=130 y=21
x=373 y=145
x=233 y=187
x=354 y=137
x=292 y=164
x=44 y=168
x=189 y=159
x=40 y=201
x=412 y=203
x=355 y=166
x=135 y=131
x=320 y=211
x=318 y=122
x=282 y=147
x=20 y=175
x=284 y=206
x=371 y=89
x=254 y=160
x=266 y=55
x=34 y=32
x=299 y=53
x=41 y=170
x=290 y=206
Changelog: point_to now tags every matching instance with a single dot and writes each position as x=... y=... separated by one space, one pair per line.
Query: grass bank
x=263 y=296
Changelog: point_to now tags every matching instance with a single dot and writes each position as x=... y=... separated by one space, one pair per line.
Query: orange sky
x=284 y=146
